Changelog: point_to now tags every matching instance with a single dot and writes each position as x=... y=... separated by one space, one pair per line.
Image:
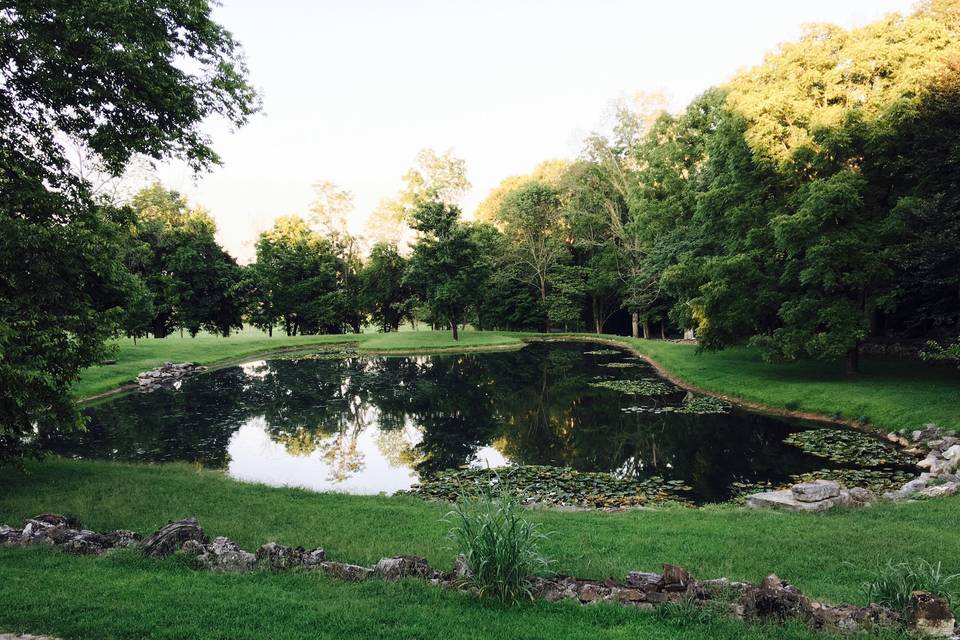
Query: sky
x=353 y=89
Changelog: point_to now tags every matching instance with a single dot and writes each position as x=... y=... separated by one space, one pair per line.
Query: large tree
x=115 y=79
x=446 y=267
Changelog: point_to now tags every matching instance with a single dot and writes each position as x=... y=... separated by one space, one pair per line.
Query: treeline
x=807 y=206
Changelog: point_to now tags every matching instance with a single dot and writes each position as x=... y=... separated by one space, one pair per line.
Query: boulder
x=172 y=535
x=592 y=592
x=279 y=557
x=784 y=499
x=774 y=598
x=861 y=496
x=675 y=578
x=461 y=569
x=9 y=535
x=849 y=619
x=815 y=491
x=939 y=490
x=223 y=555
x=644 y=581
x=344 y=571
x=627 y=595
x=930 y=615
x=403 y=567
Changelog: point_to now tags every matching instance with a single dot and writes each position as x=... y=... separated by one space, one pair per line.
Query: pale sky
x=353 y=89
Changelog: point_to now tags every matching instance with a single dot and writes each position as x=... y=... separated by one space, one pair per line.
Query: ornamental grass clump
x=891 y=584
x=502 y=549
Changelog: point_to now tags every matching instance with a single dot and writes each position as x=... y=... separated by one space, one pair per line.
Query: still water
x=341 y=422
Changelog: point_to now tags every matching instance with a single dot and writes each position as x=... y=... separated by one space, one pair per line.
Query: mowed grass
x=891 y=394
x=126 y=596
x=827 y=555
x=207 y=349
x=407 y=341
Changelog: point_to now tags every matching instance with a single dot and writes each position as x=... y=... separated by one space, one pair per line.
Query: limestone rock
x=279 y=557
x=675 y=578
x=861 y=496
x=930 y=614
x=644 y=581
x=939 y=490
x=403 y=567
x=784 y=499
x=224 y=555
x=815 y=491
x=344 y=571
x=172 y=535
x=774 y=598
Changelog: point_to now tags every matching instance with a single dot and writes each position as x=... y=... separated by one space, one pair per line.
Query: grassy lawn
x=127 y=596
x=892 y=394
x=206 y=349
x=827 y=556
x=438 y=340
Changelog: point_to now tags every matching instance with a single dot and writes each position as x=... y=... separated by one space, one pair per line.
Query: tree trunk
x=270 y=331
x=646 y=329
x=453 y=327
x=853 y=360
x=663 y=330
x=635 y=324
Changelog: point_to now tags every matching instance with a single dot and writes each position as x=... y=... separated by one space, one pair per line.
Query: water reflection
x=368 y=425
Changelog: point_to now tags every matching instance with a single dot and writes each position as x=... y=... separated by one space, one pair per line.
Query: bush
x=500 y=546
x=892 y=583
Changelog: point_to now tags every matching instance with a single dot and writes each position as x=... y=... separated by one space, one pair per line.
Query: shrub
x=892 y=583
x=501 y=547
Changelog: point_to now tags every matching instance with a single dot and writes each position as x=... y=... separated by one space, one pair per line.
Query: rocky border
x=167 y=374
x=772 y=600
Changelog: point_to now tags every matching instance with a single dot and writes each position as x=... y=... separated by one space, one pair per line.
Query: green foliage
x=383 y=294
x=849 y=446
x=935 y=351
x=892 y=583
x=501 y=547
x=296 y=281
x=113 y=83
x=547 y=485
x=446 y=266
x=637 y=387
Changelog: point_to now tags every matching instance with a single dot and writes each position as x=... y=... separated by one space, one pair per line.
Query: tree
x=116 y=81
x=446 y=266
x=330 y=211
x=532 y=222
x=383 y=293
x=433 y=176
x=193 y=281
x=296 y=280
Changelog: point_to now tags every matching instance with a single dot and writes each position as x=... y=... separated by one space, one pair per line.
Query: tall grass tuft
x=892 y=583
x=501 y=547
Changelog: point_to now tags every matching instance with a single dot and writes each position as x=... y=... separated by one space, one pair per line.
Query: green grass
x=206 y=349
x=434 y=340
x=130 y=597
x=891 y=394
x=828 y=556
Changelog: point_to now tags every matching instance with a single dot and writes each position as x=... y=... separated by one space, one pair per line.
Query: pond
x=336 y=421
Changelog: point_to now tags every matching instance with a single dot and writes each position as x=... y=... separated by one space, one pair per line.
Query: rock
x=675 y=578
x=592 y=592
x=907 y=490
x=88 y=542
x=627 y=595
x=344 y=571
x=402 y=567
x=124 y=538
x=279 y=557
x=774 y=598
x=930 y=615
x=784 y=499
x=861 y=496
x=193 y=548
x=644 y=581
x=556 y=589
x=815 y=491
x=939 y=490
x=850 y=619
x=52 y=519
x=929 y=462
x=172 y=535
x=223 y=555
x=314 y=557
x=9 y=535
x=461 y=569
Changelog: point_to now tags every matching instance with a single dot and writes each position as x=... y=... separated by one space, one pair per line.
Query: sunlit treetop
x=818 y=81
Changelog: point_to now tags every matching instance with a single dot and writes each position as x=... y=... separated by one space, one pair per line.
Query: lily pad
x=642 y=387
x=849 y=447
x=603 y=352
x=555 y=486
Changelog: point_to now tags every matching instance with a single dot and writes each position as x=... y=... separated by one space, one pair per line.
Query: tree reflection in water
x=381 y=421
